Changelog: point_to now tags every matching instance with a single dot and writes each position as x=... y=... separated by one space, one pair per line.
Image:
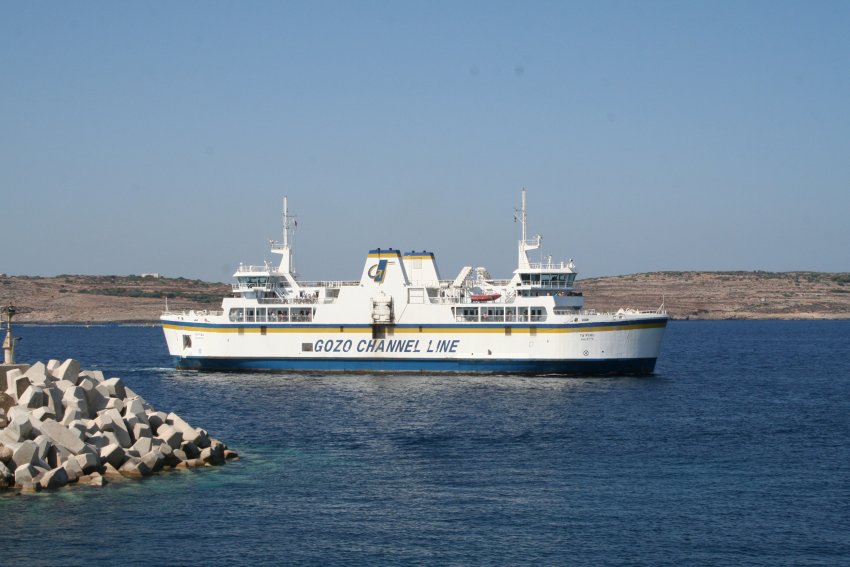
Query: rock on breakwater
x=61 y=425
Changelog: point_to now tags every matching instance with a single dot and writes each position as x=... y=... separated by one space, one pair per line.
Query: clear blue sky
x=161 y=136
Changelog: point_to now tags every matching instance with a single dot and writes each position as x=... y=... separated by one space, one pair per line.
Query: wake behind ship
x=400 y=316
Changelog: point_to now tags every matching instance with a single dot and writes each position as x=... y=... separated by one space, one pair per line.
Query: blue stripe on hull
x=629 y=366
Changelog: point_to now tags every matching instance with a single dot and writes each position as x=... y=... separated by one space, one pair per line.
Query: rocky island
x=685 y=295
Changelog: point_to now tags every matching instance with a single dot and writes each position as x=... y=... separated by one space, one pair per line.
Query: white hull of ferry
x=400 y=316
x=629 y=345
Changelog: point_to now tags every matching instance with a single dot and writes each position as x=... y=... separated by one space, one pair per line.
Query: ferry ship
x=400 y=316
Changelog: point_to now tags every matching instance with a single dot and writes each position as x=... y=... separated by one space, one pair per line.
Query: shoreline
x=136 y=300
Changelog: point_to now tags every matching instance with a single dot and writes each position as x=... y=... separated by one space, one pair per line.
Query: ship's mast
x=522 y=215
x=286 y=222
x=284 y=248
x=524 y=244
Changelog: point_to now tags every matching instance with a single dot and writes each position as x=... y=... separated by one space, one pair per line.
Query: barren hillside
x=694 y=295
x=101 y=299
x=726 y=295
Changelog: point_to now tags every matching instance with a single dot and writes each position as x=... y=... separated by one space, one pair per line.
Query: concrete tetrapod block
x=131 y=394
x=95 y=375
x=203 y=440
x=68 y=370
x=97 y=399
x=44 y=445
x=192 y=451
x=111 y=472
x=26 y=473
x=26 y=454
x=55 y=478
x=217 y=453
x=189 y=433
x=63 y=436
x=130 y=422
x=111 y=437
x=142 y=445
x=33 y=397
x=98 y=441
x=53 y=364
x=63 y=385
x=91 y=427
x=79 y=425
x=155 y=420
x=72 y=414
x=20 y=427
x=6 y=454
x=134 y=468
x=112 y=454
x=111 y=420
x=170 y=435
x=7 y=441
x=53 y=399
x=153 y=460
x=116 y=388
x=141 y=430
x=89 y=462
x=8 y=374
x=135 y=407
x=76 y=397
x=72 y=469
x=7 y=477
x=87 y=383
x=21 y=384
x=59 y=455
x=37 y=374
x=43 y=413
x=114 y=403
x=170 y=459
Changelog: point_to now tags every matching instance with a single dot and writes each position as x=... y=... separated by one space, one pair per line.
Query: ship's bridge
x=257 y=279
x=557 y=280
x=549 y=279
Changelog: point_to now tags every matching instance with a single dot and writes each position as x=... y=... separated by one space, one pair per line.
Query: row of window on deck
x=497 y=314
x=270 y=314
x=462 y=314
x=550 y=280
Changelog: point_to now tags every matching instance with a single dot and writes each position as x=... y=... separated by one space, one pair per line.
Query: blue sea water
x=736 y=452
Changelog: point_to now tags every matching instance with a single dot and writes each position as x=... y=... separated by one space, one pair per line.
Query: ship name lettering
x=443 y=346
x=331 y=345
x=403 y=345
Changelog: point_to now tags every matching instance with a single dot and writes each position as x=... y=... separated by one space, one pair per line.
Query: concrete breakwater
x=60 y=425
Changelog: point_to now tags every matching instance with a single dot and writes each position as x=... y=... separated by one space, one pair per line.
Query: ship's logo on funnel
x=378 y=271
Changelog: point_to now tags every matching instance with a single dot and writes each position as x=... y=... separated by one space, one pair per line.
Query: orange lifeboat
x=486 y=297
